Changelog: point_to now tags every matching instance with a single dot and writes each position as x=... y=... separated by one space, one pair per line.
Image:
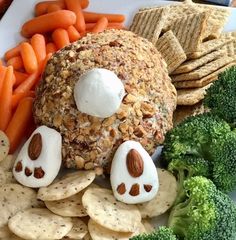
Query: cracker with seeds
x=208 y=47
x=165 y=197
x=171 y=50
x=230 y=47
x=104 y=209
x=191 y=65
x=79 y=229
x=203 y=81
x=204 y=70
x=39 y=223
x=4 y=145
x=191 y=96
x=149 y=23
x=8 y=162
x=69 y=185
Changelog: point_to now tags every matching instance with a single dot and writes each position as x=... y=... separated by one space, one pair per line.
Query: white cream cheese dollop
x=133 y=177
x=99 y=93
x=39 y=160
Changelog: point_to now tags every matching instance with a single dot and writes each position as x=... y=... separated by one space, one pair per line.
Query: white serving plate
x=20 y=11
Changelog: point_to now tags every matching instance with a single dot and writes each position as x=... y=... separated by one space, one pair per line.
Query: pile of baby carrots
x=55 y=25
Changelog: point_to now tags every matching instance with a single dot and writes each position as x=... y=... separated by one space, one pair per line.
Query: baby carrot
x=42 y=7
x=51 y=48
x=16 y=98
x=16 y=62
x=28 y=57
x=73 y=34
x=101 y=25
x=60 y=38
x=13 y=52
x=19 y=123
x=5 y=99
x=45 y=61
x=92 y=17
x=53 y=8
x=2 y=76
x=115 y=25
x=20 y=77
x=74 y=5
x=39 y=45
x=48 y=22
x=84 y=3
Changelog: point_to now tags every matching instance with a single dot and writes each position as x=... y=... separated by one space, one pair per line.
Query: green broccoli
x=205 y=214
x=163 y=233
x=221 y=97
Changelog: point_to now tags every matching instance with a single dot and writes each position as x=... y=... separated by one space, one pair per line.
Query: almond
x=147 y=187
x=134 y=191
x=35 y=146
x=121 y=189
x=38 y=173
x=28 y=172
x=134 y=163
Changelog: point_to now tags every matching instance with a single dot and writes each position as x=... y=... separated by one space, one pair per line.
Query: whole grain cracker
x=191 y=96
x=230 y=47
x=104 y=209
x=204 y=70
x=69 y=185
x=191 y=65
x=68 y=207
x=207 y=47
x=165 y=197
x=203 y=81
x=149 y=23
x=79 y=229
x=39 y=223
x=99 y=232
x=14 y=198
x=8 y=162
x=171 y=50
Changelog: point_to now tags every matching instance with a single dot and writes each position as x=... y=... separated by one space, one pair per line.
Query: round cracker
x=4 y=145
x=3 y=178
x=104 y=209
x=14 y=198
x=68 y=207
x=165 y=197
x=10 y=177
x=98 y=232
x=69 y=185
x=8 y=162
x=79 y=229
x=39 y=223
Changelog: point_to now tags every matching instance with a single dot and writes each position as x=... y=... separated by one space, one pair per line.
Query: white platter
x=20 y=11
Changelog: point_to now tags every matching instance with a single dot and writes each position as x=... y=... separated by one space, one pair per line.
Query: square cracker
x=171 y=50
x=191 y=65
x=149 y=23
x=189 y=30
x=191 y=96
x=204 y=70
x=208 y=46
x=230 y=47
x=203 y=81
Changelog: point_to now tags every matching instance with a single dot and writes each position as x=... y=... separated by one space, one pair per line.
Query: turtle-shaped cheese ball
x=144 y=115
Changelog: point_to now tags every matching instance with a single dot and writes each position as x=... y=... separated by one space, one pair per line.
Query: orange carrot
x=60 y=38
x=19 y=123
x=73 y=34
x=0 y=62
x=16 y=62
x=39 y=45
x=42 y=7
x=48 y=22
x=101 y=25
x=2 y=76
x=92 y=17
x=115 y=25
x=51 y=48
x=5 y=99
x=16 y=98
x=53 y=8
x=28 y=84
x=13 y=52
x=29 y=57
x=20 y=77
x=84 y=3
x=74 y=5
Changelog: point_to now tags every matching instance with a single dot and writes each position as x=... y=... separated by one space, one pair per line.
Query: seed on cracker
x=14 y=198
x=104 y=209
x=191 y=65
x=203 y=81
x=39 y=223
x=165 y=197
x=68 y=207
x=204 y=70
x=171 y=50
x=69 y=185
x=149 y=23
x=79 y=229
x=4 y=145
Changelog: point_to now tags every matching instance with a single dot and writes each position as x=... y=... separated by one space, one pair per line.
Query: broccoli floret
x=221 y=97
x=163 y=233
x=205 y=214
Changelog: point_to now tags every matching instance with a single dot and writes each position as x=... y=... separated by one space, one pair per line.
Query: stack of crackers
x=189 y=36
